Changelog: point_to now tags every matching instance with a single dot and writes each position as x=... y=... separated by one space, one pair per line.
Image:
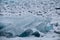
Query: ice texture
x=42 y=16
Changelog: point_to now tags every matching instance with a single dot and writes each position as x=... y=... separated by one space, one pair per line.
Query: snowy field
x=29 y=19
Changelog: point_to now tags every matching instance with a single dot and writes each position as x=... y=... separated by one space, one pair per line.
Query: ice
x=42 y=16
